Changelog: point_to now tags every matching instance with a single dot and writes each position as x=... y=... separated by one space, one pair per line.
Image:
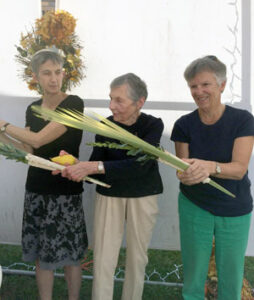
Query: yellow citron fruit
x=64 y=159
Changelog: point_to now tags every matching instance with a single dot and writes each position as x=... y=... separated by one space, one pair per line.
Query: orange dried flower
x=56 y=27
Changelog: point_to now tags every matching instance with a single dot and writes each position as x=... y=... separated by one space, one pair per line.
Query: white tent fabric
x=15 y=17
x=155 y=39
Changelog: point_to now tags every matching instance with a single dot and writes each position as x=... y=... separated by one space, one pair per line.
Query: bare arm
x=182 y=149
x=35 y=139
x=194 y=174
x=201 y=169
x=7 y=140
x=241 y=155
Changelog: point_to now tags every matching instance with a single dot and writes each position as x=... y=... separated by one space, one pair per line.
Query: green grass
x=20 y=287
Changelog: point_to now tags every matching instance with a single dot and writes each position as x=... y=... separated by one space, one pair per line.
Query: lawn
x=22 y=287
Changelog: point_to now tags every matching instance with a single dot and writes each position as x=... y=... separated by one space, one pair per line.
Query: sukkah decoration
x=93 y=122
x=211 y=286
x=11 y=152
x=55 y=29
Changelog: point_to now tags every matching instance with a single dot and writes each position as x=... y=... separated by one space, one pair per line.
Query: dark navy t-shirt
x=215 y=142
x=128 y=177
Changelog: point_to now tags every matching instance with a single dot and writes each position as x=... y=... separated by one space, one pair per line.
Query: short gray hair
x=41 y=56
x=209 y=63
x=136 y=87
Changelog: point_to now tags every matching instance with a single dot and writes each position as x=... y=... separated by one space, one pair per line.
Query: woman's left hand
x=198 y=171
x=61 y=153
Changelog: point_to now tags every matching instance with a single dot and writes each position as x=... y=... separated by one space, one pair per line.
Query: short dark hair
x=41 y=56
x=209 y=63
x=136 y=86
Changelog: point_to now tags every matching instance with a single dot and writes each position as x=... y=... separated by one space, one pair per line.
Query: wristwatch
x=3 y=128
x=100 y=167
x=217 y=168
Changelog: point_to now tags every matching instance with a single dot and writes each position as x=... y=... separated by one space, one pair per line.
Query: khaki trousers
x=111 y=213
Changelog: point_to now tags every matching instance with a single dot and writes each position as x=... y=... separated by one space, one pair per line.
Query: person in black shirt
x=217 y=141
x=53 y=232
x=132 y=198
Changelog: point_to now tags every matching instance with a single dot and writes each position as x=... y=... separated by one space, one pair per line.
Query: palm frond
x=93 y=122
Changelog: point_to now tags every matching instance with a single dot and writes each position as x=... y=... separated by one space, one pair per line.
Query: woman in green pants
x=217 y=141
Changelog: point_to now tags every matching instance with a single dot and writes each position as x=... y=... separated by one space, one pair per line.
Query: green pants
x=198 y=227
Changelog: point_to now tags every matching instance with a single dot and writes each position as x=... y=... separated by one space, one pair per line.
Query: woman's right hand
x=197 y=172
